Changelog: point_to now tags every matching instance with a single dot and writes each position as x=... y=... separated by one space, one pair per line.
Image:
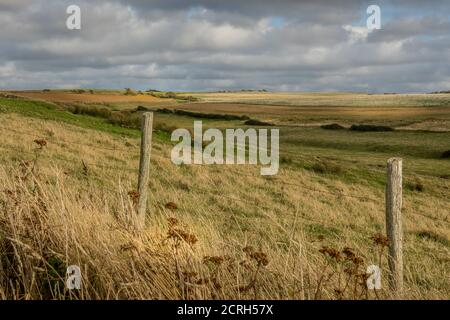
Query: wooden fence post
x=144 y=167
x=394 y=224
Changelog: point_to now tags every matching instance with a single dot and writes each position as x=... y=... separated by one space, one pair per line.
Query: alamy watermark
x=73 y=22
x=73 y=277
x=374 y=20
x=234 y=144
x=373 y=282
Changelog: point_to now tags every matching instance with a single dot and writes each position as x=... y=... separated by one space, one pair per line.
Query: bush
x=286 y=160
x=203 y=115
x=102 y=112
x=127 y=119
x=130 y=92
x=162 y=126
x=332 y=126
x=415 y=186
x=170 y=95
x=166 y=111
x=446 y=154
x=141 y=108
x=253 y=122
x=326 y=167
x=187 y=98
x=369 y=127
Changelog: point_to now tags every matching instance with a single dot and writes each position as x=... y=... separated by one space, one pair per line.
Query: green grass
x=48 y=111
x=357 y=155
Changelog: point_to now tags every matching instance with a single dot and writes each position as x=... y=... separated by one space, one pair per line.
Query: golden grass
x=255 y=237
x=327 y=99
x=68 y=97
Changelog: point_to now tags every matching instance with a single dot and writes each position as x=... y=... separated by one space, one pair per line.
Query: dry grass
x=276 y=112
x=327 y=99
x=213 y=232
x=68 y=97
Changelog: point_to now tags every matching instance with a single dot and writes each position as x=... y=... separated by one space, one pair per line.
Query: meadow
x=68 y=174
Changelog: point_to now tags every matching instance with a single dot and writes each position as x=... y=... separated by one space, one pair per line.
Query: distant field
x=329 y=99
x=405 y=111
x=303 y=115
x=105 y=97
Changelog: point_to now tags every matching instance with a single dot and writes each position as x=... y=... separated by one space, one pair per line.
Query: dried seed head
x=134 y=195
x=40 y=142
x=358 y=261
x=331 y=252
x=171 y=206
x=217 y=260
x=258 y=256
x=248 y=249
x=172 y=221
x=380 y=240
x=349 y=253
x=178 y=234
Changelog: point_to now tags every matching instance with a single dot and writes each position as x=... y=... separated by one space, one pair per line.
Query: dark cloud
x=210 y=45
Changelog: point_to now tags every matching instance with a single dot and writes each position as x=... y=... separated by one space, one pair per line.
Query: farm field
x=111 y=98
x=216 y=232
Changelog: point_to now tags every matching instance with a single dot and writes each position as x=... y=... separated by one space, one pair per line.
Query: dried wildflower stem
x=144 y=167
x=394 y=224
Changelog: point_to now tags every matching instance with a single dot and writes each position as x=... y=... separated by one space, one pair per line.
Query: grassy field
x=216 y=232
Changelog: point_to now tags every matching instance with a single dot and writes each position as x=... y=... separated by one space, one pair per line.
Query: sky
x=209 y=45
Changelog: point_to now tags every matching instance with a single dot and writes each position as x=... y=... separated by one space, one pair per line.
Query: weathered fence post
x=394 y=224
x=144 y=167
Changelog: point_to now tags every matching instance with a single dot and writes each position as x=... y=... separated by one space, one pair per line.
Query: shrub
x=369 y=127
x=253 y=122
x=332 y=126
x=162 y=126
x=415 y=186
x=127 y=119
x=130 y=92
x=326 y=168
x=141 y=108
x=170 y=95
x=286 y=160
x=186 y=98
x=446 y=154
x=102 y=112
x=165 y=111
x=203 y=115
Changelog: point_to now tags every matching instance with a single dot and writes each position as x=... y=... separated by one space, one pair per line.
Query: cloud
x=213 y=45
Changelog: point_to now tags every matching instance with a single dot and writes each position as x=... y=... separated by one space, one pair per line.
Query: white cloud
x=310 y=45
x=356 y=33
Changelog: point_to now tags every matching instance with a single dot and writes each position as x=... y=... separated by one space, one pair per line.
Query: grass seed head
x=41 y=143
x=380 y=240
